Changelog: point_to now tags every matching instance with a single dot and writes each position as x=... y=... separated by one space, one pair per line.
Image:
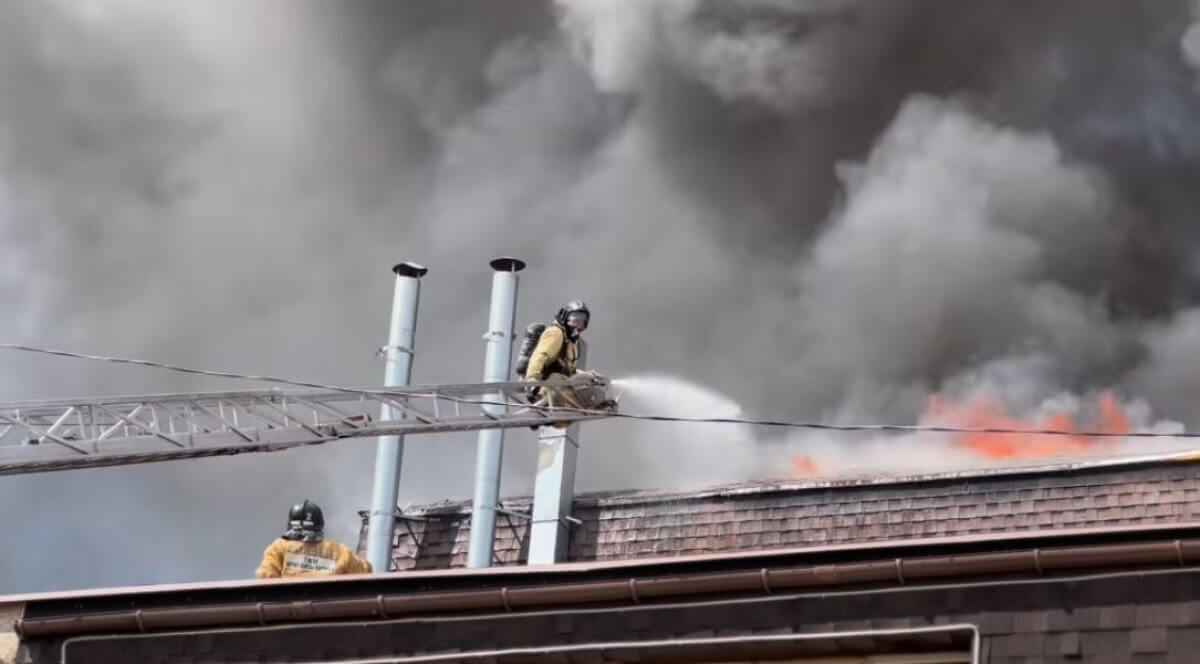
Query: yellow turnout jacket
x=296 y=558
x=550 y=347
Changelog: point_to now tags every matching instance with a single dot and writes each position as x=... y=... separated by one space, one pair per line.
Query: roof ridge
x=626 y=497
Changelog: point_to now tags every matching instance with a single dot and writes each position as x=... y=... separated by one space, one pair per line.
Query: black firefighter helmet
x=574 y=318
x=305 y=522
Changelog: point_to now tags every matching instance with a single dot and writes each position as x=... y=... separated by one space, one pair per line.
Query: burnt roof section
x=771 y=515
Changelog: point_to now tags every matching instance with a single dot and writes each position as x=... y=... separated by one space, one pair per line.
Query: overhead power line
x=773 y=423
x=173 y=367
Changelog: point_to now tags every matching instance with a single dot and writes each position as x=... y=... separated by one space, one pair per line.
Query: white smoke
x=740 y=50
x=946 y=247
x=1190 y=42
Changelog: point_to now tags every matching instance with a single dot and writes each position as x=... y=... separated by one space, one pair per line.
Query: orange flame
x=803 y=466
x=985 y=413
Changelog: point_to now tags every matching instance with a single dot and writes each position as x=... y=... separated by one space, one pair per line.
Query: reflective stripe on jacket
x=295 y=558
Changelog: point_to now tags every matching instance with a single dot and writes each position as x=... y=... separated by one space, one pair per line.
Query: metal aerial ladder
x=41 y=436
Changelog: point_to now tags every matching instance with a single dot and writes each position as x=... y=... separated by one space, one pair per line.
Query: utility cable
x=791 y=424
x=551 y=411
x=180 y=369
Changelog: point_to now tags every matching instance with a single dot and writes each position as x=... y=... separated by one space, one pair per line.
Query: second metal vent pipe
x=490 y=455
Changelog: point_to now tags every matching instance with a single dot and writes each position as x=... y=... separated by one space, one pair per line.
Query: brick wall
x=751 y=517
x=1140 y=618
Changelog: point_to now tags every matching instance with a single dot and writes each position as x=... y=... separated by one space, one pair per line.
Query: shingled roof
x=766 y=515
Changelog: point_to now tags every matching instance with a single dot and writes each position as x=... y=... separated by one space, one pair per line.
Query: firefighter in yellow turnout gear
x=557 y=353
x=303 y=550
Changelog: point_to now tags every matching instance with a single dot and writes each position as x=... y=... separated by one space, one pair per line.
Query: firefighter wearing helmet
x=557 y=353
x=302 y=550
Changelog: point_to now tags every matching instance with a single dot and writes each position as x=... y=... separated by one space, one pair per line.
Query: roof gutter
x=633 y=590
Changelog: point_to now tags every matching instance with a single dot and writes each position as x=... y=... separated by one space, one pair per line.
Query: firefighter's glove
x=531 y=393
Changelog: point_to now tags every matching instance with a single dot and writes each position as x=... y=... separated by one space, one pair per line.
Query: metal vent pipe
x=389 y=451
x=490 y=455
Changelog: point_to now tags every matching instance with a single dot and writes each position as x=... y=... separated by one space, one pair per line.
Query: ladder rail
x=64 y=434
x=453 y=389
